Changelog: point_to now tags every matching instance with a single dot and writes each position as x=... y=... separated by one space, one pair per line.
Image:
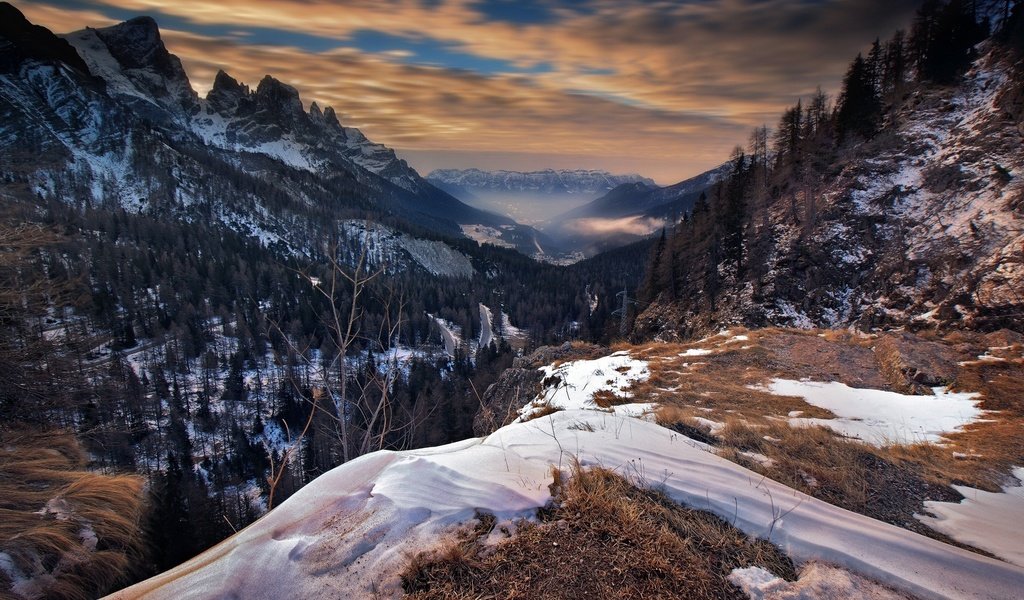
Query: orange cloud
x=668 y=87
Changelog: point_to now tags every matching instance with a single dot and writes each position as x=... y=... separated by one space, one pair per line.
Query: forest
x=755 y=237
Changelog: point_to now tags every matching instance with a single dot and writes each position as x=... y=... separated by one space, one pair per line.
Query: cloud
x=603 y=227
x=672 y=85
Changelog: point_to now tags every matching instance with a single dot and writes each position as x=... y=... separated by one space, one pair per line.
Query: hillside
x=247 y=352
x=628 y=212
x=918 y=222
x=352 y=531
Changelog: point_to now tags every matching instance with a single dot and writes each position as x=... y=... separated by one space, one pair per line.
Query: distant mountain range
x=644 y=199
x=628 y=212
x=548 y=181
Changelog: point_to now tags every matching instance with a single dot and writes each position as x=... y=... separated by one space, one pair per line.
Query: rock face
x=503 y=398
x=21 y=41
x=521 y=383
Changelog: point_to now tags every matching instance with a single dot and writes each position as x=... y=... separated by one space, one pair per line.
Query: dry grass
x=603 y=537
x=75 y=532
x=542 y=411
x=888 y=483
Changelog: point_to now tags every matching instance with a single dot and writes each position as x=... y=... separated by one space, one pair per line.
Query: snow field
x=351 y=531
x=983 y=519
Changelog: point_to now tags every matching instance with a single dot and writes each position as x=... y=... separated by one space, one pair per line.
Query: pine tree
x=859 y=108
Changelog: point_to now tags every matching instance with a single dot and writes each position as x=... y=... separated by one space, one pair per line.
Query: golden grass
x=77 y=533
x=542 y=411
x=889 y=483
x=603 y=537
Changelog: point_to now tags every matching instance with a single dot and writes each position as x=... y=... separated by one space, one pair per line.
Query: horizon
x=664 y=90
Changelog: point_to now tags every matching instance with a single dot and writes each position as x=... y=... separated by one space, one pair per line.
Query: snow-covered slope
x=923 y=224
x=349 y=532
x=389 y=249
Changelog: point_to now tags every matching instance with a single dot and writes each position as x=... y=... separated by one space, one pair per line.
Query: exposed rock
x=912 y=364
x=521 y=383
x=503 y=398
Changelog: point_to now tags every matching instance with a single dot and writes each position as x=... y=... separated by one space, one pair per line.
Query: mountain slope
x=351 y=532
x=629 y=212
x=644 y=199
x=921 y=225
x=116 y=104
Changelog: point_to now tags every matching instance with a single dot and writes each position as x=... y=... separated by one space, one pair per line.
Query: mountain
x=103 y=105
x=548 y=181
x=628 y=212
x=170 y=264
x=642 y=198
x=916 y=223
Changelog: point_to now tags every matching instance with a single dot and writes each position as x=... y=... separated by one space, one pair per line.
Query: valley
x=248 y=351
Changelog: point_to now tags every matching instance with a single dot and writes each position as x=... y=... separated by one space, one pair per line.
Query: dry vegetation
x=602 y=537
x=888 y=483
x=74 y=532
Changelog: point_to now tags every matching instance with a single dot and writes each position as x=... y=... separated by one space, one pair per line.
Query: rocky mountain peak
x=330 y=118
x=21 y=40
x=274 y=95
x=136 y=44
x=315 y=114
x=142 y=61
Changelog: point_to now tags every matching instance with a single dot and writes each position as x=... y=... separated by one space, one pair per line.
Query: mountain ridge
x=551 y=181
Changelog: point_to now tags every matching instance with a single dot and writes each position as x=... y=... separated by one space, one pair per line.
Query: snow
x=696 y=352
x=816 y=581
x=485 y=326
x=572 y=385
x=102 y=64
x=349 y=532
x=714 y=427
x=879 y=417
x=482 y=234
x=985 y=520
x=514 y=335
x=450 y=334
x=437 y=258
x=387 y=247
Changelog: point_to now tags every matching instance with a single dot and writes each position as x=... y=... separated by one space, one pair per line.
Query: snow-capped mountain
x=108 y=117
x=548 y=181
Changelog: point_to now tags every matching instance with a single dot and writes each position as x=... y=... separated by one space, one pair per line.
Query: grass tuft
x=71 y=533
x=602 y=537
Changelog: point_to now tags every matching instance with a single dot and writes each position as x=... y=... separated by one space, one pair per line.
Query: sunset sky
x=664 y=89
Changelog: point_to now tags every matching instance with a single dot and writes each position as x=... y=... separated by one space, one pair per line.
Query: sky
x=665 y=89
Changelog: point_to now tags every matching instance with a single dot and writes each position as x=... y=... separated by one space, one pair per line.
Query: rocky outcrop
x=522 y=383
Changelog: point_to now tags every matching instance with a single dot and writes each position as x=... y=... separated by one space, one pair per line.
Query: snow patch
x=572 y=385
x=985 y=520
x=816 y=581
x=879 y=417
